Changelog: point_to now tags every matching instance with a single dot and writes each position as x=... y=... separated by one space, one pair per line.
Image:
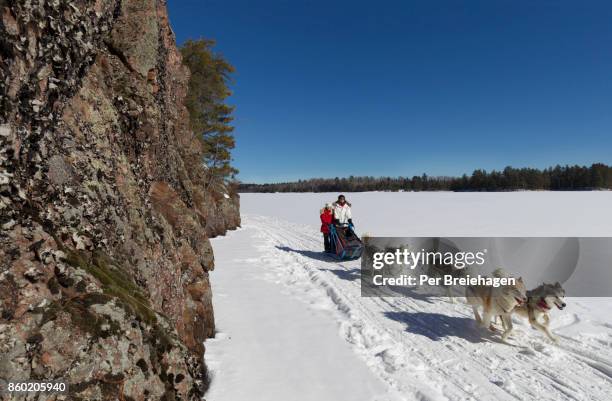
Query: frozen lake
x=550 y=214
x=293 y=324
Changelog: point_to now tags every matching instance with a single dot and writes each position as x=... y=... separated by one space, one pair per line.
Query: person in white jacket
x=342 y=212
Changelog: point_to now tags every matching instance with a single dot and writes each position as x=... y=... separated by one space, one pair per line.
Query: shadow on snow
x=436 y=326
x=322 y=256
x=344 y=274
x=349 y=275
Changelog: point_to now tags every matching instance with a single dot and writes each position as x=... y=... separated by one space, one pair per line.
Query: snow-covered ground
x=293 y=326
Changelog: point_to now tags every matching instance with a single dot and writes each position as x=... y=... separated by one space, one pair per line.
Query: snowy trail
x=270 y=345
x=427 y=349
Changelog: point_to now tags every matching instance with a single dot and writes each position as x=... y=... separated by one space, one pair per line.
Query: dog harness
x=542 y=304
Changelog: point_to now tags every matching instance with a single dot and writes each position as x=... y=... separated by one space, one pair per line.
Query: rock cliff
x=104 y=254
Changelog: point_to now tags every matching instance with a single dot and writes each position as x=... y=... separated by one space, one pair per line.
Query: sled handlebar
x=351 y=226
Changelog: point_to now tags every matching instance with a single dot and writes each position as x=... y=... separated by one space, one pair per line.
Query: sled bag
x=346 y=244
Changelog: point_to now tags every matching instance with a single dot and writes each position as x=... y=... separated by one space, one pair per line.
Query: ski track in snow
x=431 y=349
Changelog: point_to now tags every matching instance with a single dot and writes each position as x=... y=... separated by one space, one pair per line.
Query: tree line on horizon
x=558 y=178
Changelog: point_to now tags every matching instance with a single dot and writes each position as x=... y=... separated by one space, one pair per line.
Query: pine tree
x=210 y=116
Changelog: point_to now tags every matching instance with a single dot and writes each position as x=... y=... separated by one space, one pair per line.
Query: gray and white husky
x=497 y=301
x=539 y=303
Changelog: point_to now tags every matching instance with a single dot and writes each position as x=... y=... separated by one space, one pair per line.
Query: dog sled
x=346 y=245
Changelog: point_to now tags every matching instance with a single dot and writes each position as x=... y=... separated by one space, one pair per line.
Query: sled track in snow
x=431 y=349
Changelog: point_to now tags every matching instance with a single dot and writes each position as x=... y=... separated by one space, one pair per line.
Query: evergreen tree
x=210 y=116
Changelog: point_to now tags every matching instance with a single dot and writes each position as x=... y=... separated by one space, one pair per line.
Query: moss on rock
x=114 y=283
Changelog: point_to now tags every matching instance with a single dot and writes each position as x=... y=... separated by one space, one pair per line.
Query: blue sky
x=339 y=88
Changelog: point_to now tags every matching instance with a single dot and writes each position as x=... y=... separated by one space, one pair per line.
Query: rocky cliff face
x=104 y=254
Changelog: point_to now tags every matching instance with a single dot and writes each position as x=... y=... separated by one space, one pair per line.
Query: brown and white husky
x=496 y=301
x=539 y=303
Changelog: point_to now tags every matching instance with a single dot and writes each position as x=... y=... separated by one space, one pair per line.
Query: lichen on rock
x=104 y=251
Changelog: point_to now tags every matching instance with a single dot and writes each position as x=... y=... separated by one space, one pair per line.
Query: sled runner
x=346 y=245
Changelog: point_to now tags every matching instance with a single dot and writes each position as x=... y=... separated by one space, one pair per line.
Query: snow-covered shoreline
x=411 y=348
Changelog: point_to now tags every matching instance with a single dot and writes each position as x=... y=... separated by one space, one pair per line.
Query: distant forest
x=567 y=178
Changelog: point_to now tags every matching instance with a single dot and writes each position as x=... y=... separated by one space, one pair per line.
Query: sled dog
x=440 y=270
x=539 y=303
x=496 y=301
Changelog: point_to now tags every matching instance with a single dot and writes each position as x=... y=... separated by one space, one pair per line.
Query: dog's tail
x=500 y=273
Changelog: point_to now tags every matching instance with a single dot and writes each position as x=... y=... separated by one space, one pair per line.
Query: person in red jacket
x=327 y=216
